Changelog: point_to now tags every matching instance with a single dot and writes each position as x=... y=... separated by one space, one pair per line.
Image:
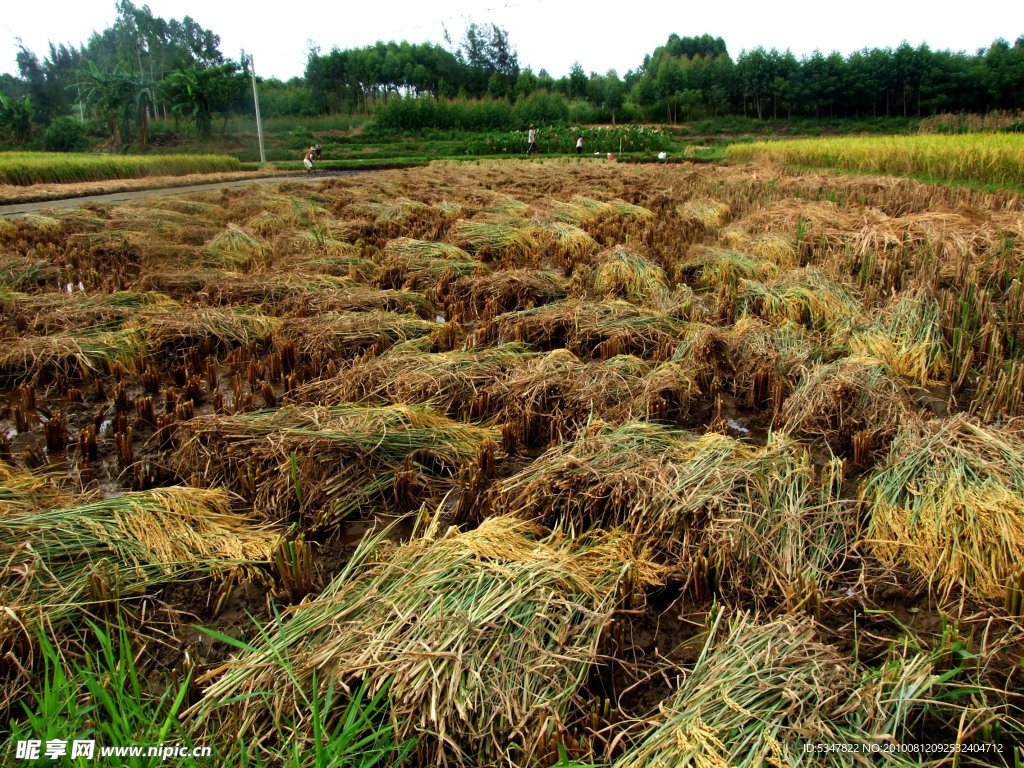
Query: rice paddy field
x=519 y=464
x=25 y=168
x=980 y=158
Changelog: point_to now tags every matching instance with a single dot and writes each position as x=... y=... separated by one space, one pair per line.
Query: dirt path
x=15 y=210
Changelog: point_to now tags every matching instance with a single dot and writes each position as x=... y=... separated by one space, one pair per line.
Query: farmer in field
x=312 y=155
x=579 y=146
x=532 y=136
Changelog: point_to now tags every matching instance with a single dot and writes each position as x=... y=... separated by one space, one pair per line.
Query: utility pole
x=256 y=101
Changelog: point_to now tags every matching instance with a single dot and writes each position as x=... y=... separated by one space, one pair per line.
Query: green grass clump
x=25 y=168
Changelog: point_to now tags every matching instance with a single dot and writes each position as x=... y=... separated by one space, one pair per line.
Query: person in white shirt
x=532 y=136
x=579 y=146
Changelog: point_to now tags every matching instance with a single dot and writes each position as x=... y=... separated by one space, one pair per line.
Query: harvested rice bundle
x=73 y=354
x=712 y=267
x=759 y=693
x=482 y=640
x=658 y=482
x=792 y=537
x=488 y=239
x=328 y=463
x=670 y=392
x=407 y=247
x=553 y=396
x=504 y=291
x=179 y=284
x=580 y=212
x=353 y=267
x=776 y=250
x=704 y=211
x=572 y=244
x=804 y=296
x=331 y=240
x=622 y=273
x=237 y=288
x=408 y=274
x=590 y=328
x=63 y=554
x=355 y=298
x=584 y=211
x=949 y=501
x=67 y=311
x=186 y=327
x=346 y=334
x=508 y=206
x=23 y=492
x=449 y=381
x=908 y=337
x=752 y=357
x=837 y=401
x=398 y=211
x=785 y=217
x=236 y=249
x=734 y=238
x=491 y=239
x=19 y=273
x=80 y=221
x=192 y=208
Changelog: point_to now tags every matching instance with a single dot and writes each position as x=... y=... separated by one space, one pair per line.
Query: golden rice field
x=24 y=168
x=519 y=464
x=986 y=158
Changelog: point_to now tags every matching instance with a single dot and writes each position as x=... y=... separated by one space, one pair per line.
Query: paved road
x=23 y=209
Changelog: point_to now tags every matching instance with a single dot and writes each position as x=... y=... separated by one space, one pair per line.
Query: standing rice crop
x=22 y=168
x=984 y=157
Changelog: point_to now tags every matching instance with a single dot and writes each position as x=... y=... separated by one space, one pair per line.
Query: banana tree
x=15 y=119
x=122 y=97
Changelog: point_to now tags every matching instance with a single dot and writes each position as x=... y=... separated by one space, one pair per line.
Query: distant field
x=984 y=158
x=24 y=168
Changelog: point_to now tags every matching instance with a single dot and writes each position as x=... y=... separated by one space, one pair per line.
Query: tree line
x=143 y=67
x=140 y=68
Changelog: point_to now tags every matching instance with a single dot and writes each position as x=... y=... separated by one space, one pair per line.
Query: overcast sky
x=547 y=34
